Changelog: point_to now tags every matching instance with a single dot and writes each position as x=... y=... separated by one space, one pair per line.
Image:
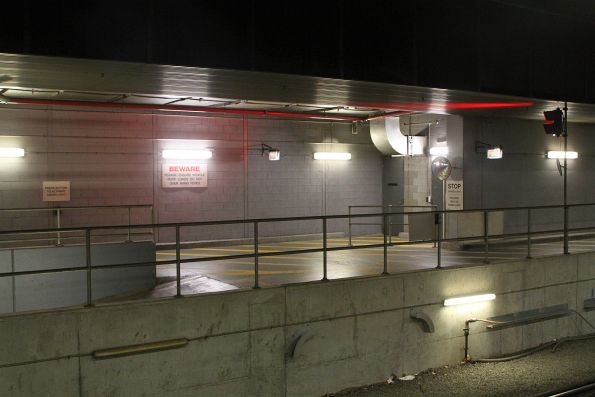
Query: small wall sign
x=454 y=195
x=56 y=190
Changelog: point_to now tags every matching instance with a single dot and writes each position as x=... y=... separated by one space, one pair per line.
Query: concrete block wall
x=524 y=176
x=297 y=340
x=114 y=158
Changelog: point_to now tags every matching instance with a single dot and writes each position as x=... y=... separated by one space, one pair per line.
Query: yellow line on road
x=227 y=249
x=242 y=272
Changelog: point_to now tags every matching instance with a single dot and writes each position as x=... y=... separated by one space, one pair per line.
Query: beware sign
x=185 y=175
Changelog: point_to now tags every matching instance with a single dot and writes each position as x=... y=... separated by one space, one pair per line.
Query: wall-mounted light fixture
x=492 y=152
x=439 y=151
x=332 y=156
x=560 y=154
x=469 y=299
x=12 y=152
x=274 y=154
x=201 y=154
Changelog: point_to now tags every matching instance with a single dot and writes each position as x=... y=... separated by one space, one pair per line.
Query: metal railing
x=385 y=208
x=59 y=231
x=89 y=268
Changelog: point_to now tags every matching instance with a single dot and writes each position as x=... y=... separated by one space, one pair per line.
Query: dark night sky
x=539 y=48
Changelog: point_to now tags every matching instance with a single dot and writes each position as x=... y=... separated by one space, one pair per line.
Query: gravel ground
x=571 y=363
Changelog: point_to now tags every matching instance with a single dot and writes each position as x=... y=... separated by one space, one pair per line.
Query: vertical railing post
x=128 y=237
x=89 y=268
x=154 y=230
x=566 y=229
x=59 y=242
x=528 y=233
x=178 y=267
x=435 y=207
x=486 y=258
x=256 y=255
x=438 y=239
x=386 y=223
x=324 y=250
x=349 y=212
x=390 y=226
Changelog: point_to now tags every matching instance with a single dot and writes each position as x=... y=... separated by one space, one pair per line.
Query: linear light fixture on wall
x=332 y=156
x=560 y=154
x=187 y=154
x=469 y=299
x=439 y=150
x=12 y=152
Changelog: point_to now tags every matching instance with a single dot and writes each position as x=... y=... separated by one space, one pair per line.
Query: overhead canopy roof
x=36 y=80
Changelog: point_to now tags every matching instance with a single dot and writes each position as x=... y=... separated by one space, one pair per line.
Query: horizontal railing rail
x=383 y=206
x=285 y=219
x=59 y=230
x=324 y=248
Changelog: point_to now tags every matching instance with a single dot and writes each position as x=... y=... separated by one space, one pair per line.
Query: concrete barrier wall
x=51 y=290
x=297 y=340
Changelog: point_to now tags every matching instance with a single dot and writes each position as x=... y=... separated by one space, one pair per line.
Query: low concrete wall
x=51 y=290
x=243 y=343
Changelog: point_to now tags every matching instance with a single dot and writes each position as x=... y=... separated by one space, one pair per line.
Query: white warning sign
x=184 y=175
x=454 y=195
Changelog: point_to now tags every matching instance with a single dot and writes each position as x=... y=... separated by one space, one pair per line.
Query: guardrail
x=325 y=249
x=59 y=231
x=390 y=207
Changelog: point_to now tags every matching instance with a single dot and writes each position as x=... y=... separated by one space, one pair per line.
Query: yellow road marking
x=227 y=249
x=292 y=257
x=242 y=272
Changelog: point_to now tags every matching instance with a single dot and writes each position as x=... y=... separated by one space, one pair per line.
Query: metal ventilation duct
x=387 y=137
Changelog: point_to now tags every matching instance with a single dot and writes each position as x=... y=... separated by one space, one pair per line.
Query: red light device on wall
x=553 y=122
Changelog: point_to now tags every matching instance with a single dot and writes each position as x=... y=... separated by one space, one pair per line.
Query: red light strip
x=199 y=109
x=445 y=106
x=488 y=105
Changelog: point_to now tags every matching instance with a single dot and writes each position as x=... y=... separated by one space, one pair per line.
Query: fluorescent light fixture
x=332 y=156
x=439 y=150
x=560 y=154
x=187 y=154
x=494 y=153
x=12 y=152
x=274 y=155
x=469 y=299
